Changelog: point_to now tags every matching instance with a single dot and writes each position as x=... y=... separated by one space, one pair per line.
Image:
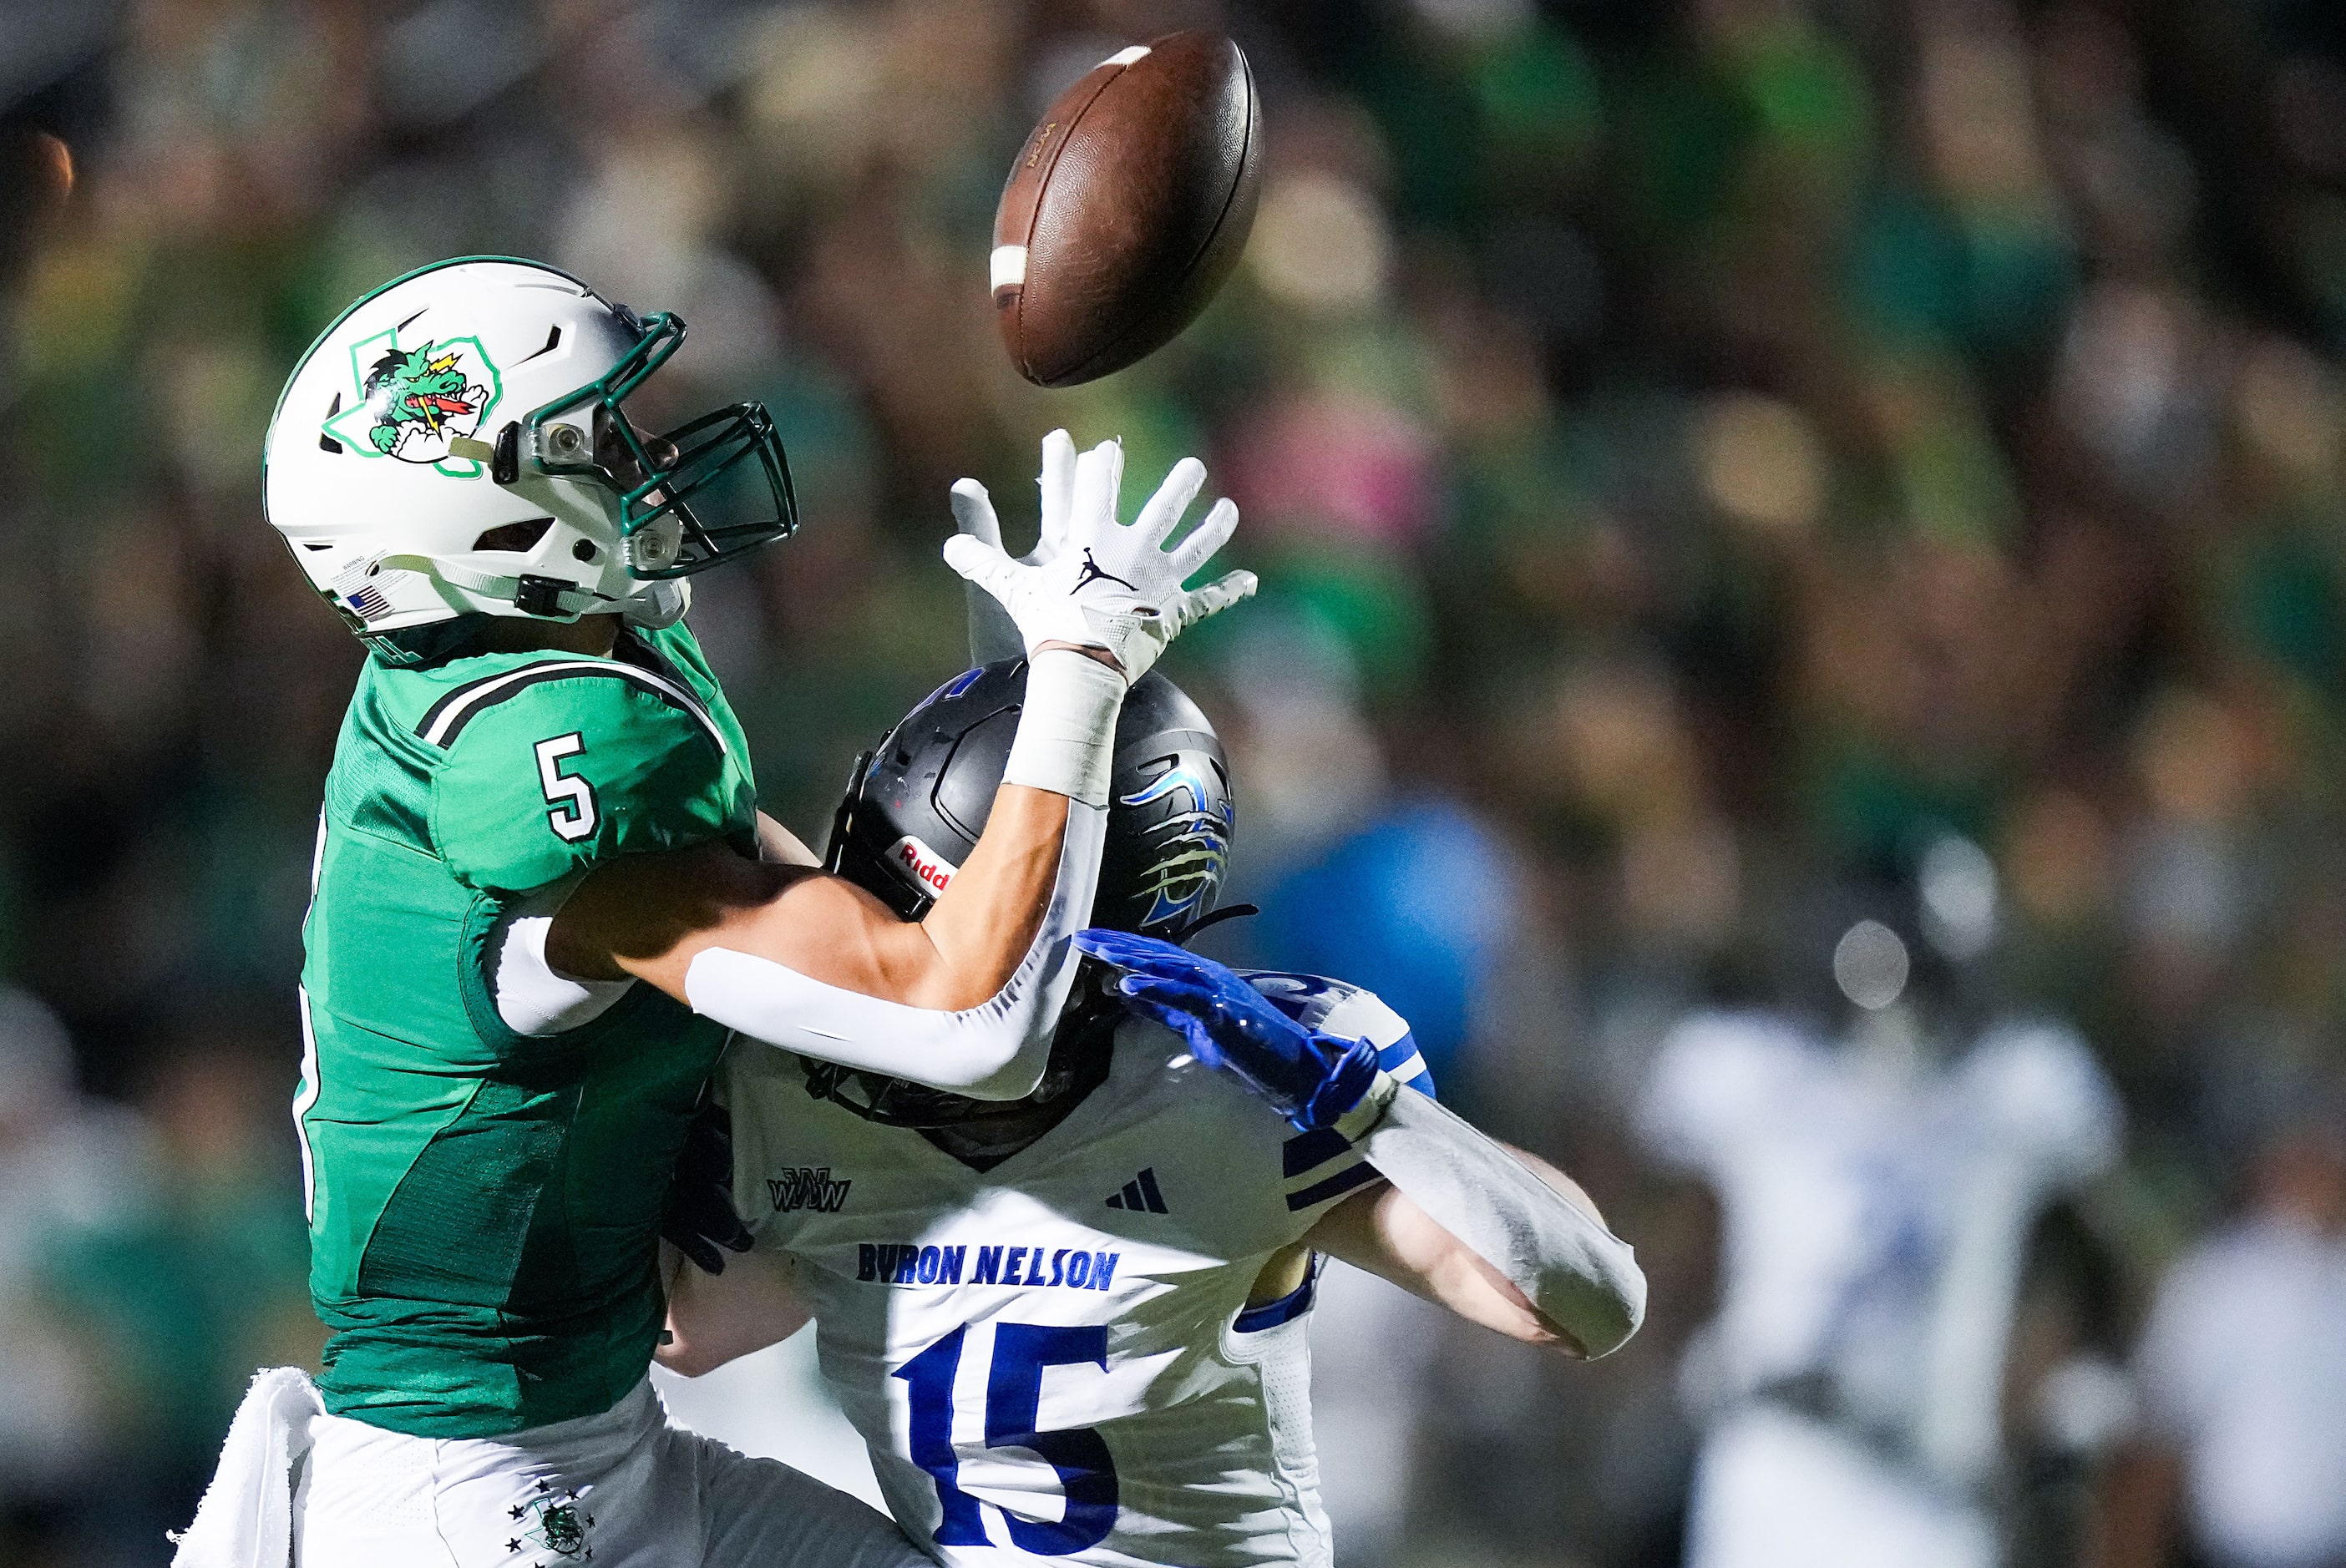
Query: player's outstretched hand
x=1091 y=580
x=700 y=1219
x=992 y=634
x=1312 y=1079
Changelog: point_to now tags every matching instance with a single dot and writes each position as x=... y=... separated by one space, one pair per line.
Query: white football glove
x=1091 y=580
x=992 y=634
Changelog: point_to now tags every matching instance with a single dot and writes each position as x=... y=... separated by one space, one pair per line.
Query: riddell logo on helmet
x=932 y=869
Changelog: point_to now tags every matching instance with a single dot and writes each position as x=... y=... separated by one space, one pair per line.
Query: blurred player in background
x=63 y=1160
x=2240 y=1457
x=1073 y=1326
x=545 y=897
x=1879 y=1194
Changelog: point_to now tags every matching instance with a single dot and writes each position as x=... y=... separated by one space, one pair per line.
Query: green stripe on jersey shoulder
x=447 y=718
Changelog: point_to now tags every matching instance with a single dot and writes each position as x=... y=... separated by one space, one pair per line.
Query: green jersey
x=484 y=1207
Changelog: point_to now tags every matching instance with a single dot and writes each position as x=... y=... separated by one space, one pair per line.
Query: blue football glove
x=1312 y=1079
x=699 y=1218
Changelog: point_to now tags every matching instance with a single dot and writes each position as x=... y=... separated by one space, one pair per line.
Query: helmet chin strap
x=655 y=604
x=1179 y=935
x=534 y=595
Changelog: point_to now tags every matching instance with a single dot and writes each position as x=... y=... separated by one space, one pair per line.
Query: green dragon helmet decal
x=412 y=403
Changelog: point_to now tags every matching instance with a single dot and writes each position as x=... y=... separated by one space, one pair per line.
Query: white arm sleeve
x=994 y=1051
x=535 y=998
x=1581 y=1277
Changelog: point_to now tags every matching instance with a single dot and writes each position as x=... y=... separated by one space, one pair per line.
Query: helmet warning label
x=928 y=867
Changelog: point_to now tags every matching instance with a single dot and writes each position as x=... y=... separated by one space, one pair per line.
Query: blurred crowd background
x=1803 y=545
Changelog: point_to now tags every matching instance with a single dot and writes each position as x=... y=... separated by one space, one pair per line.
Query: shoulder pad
x=551 y=768
x=1348 y=1012
x=599 y=684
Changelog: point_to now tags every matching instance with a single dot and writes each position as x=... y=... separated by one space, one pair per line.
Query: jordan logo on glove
x=1094 y=571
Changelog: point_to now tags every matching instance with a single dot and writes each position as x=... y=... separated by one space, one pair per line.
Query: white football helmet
x=455 y=443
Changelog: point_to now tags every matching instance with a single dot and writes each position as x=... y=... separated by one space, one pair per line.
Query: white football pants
x=623 y=1490
x=1774 y=1489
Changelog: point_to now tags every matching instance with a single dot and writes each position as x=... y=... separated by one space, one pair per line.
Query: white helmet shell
x=435 y=454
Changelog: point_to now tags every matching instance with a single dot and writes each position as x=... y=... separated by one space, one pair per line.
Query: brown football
x=1127 y=209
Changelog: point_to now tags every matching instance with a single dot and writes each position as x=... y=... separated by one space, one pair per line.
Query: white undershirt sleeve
x=535 y=1000
x=994 y=1051
x=1582 y=1278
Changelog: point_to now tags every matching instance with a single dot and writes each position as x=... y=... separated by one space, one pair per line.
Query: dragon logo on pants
x=556 y=1523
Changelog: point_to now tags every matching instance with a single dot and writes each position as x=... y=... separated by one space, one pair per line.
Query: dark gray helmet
x=914 y=811
x=917 y=803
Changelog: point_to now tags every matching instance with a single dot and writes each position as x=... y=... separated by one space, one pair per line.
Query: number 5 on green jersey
x=555 y=767
x=573 y=800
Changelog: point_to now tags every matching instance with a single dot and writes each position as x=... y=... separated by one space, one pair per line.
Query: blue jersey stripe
x=1286 y=1310
x=1343 y=1181
x=1407 y=1065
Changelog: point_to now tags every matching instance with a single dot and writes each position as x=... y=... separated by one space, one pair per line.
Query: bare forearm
x=983 y=922
x=713 y=1319
x=965 y=1000
x=822 y=927
x=1381 y=1232
x=814 y=964
x=993 y=1049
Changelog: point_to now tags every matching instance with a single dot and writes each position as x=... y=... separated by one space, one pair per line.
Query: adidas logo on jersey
x=1140 y=1193
x=804 y=1188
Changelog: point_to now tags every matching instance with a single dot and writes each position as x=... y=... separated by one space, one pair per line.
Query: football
x=1127 y=209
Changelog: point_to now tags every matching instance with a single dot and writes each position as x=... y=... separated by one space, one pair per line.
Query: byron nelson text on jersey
x=907 y=1262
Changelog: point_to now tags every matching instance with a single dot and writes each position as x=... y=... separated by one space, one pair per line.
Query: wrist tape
x=1066 y=741
x=1361 y=1120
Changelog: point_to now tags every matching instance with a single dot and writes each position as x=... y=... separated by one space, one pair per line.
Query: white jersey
x=1876 y=1219
x=1054 y=1358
